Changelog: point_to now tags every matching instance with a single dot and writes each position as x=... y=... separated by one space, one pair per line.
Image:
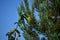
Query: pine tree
x=49 y=19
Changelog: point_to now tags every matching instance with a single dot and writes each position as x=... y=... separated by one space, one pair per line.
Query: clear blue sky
x=8 y=15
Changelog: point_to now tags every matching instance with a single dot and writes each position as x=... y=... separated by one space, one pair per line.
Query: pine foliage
x=49 y=19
